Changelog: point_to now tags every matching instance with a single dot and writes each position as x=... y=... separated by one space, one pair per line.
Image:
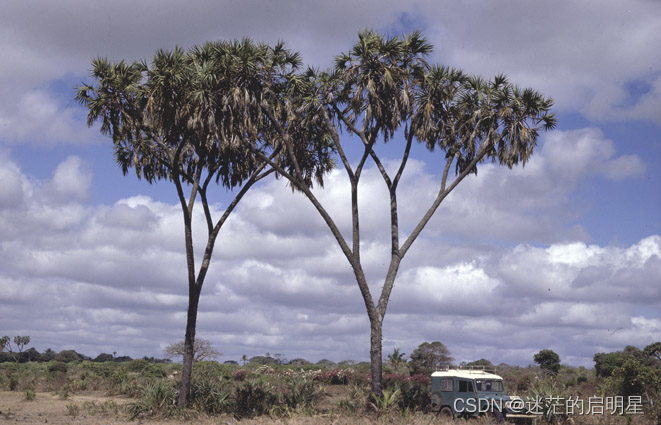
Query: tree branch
x=405 y=157
x=338 y=145
x=442 y=194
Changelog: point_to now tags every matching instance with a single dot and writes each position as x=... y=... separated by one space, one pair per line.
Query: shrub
x=325 y=363
x=68 y=356
x=211 y=395
x=240 y=375
x=387 y=402
x=356 y=399
x=298 y=362
x=339 y=376
x=57 y=366
x=155 y=370
x=415 y=394
x=104 y=357
x=302 y=393
x=73 y=410
x=547 y=391
x=157 y=398
x=253 y=397
x=414 y=391
x=104 y=369
x=137 y=365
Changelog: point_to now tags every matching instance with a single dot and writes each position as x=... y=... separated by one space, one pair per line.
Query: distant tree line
x=631 y=371
x=16 y=353
x=66 y=356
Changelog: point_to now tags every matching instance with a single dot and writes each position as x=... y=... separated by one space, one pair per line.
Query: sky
x=563 y=254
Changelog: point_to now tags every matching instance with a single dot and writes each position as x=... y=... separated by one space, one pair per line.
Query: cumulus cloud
x=604 y=66
x=535 y=202
x=71 y=180
x=117 y=272
x=38 y=117
x=586 y=55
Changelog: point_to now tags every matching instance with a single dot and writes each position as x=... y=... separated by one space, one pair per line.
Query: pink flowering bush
x=340 y=376
x=240 y=375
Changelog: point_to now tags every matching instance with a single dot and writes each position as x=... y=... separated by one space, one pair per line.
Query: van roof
x=466 y=373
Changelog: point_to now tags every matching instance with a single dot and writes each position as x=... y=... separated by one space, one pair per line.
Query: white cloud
x=13 y=184
x=37 y=117
x=595 y=58
x=535 y=202
x=576 y=153
x=99 y=273
x=583 y=54
x=117 y=273
x=71 y=180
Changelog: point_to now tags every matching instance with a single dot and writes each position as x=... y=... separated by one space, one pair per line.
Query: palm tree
x=381 y=90
x=193 y=118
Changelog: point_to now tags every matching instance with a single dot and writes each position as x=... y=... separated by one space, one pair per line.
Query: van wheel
x=445 y=412
x=496 y=415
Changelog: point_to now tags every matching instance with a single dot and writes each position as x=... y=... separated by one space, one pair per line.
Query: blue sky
x=554 y=255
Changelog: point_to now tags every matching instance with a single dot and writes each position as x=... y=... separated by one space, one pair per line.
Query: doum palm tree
x=193 y=118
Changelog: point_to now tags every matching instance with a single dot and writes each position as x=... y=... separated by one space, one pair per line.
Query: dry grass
x=97 y=409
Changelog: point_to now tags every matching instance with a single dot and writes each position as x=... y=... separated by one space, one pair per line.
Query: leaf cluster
x=386 y=84
x=428 y=357
x=192 y=111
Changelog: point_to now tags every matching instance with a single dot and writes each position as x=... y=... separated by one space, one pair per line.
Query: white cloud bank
x=112 y=277
x=593 y=57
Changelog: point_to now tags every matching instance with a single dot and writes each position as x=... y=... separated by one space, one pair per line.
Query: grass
x=261 y=394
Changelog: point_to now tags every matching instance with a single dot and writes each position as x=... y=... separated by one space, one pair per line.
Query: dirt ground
x=99 y=409
x=52 y=409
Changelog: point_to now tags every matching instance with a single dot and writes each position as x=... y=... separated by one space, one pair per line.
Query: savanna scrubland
x=68 y=389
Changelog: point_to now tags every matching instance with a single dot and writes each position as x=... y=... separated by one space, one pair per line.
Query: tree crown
x=195 y=110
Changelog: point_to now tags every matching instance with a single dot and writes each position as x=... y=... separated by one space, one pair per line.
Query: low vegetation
x=270 y=386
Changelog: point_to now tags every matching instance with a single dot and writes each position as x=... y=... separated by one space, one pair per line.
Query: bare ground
x=98 y=409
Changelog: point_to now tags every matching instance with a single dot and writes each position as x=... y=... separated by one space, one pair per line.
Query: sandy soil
x=98 y=409
x=52 y=409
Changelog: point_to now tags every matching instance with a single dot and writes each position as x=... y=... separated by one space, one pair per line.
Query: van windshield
x=489 y=385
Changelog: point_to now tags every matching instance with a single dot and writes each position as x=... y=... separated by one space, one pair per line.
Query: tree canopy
x=203 y=350
x=548 y=360
x=429 y=357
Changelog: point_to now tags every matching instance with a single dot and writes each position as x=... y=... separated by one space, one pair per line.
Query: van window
x=446 y=385
x=465 y=386
x=489 y=385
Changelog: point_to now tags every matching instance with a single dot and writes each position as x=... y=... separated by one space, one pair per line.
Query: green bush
x=68 y=356
x=155 y=370
x=211 y=395
x=211 y=369
x=301 y=393
x=253 y=398
x=57 y=366
x=137 y=365
x=104 y=369
x=157 y=398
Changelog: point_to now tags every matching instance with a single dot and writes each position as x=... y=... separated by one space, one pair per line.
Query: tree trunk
x=376 y=358
x=189 y=344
